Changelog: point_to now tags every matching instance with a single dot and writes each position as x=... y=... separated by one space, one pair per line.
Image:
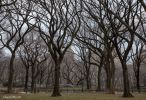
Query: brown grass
x=70 y=96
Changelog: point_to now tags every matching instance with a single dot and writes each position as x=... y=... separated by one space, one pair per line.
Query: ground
x=70 y=96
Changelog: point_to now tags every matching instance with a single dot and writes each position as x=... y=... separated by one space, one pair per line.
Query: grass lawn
x=70 y=96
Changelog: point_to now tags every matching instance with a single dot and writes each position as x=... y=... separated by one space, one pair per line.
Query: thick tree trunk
x=56 y=90
x=110 y=70
x=26 y=79
x=110 y=79
x=99 y=84
x=108 y=76
x=108 y=82
x=112 y=75
x=126 y=92
x=11 y=74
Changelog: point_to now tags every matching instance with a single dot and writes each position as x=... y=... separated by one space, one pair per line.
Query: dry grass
x=70 y=96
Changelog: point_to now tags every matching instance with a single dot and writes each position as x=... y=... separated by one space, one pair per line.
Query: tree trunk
x=26 y=79
x=110 y=70
x=112 y=75
x=56 y=90
x=11 y=74
x=126 y=92
x=88 y=81
x=108 y=75
x=138 y=79
x=32 y=79
x=108 y=82
x=99 y=75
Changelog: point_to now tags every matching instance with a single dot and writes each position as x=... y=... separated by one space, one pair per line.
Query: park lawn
x=70 y=96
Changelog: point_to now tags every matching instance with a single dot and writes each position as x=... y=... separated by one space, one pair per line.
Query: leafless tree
x=85 y=56
x=96 y=38
x=122 y=37
x=61 y=22
x=117 y=34
x=14 y=28
x=137 y=56
x=68 y=67
x=33 y=54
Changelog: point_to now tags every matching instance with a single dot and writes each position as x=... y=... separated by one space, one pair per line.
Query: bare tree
x=137 y=56
x=61 y=22
x=120 y=40
x=68 y=67
x=14 y=29
x=138 y=13
x=33 y=54
x=85 y=56
x=96 y=38
x=117 y=33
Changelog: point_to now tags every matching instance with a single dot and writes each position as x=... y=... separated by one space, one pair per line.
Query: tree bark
x=108 y=82
x=99 y=75
x=56 y=90
x=112 y=74
x=88 y=81
x=109 y=71
x=138 y=79
x=26 y=79
x=126 y=92
x=11 y=73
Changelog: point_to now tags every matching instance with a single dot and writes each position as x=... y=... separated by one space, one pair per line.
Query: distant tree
x=85 y=56
x=138 y=56
x=33 y=54
x=68 y=67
